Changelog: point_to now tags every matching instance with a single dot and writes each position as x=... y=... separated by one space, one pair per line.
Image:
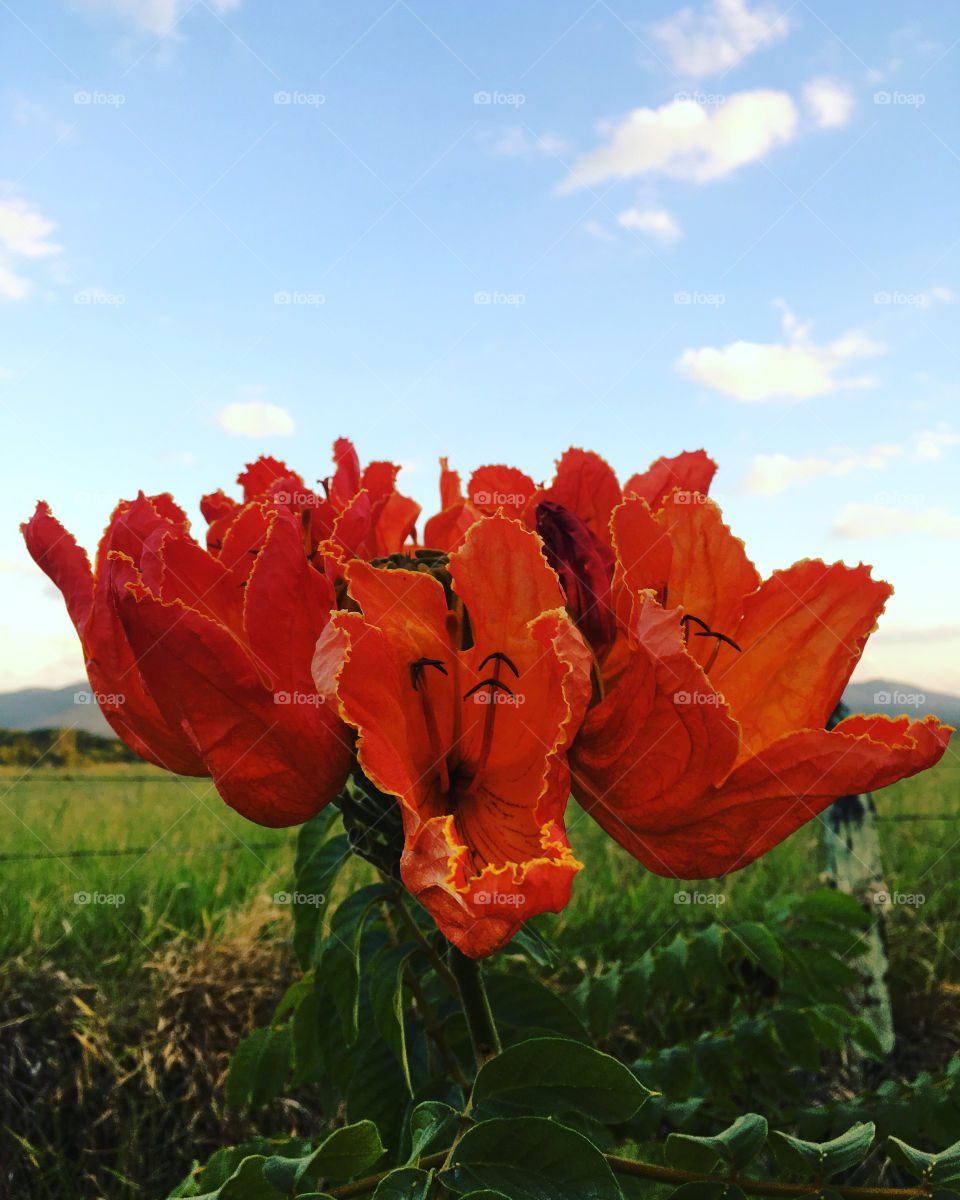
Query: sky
x=489 y=232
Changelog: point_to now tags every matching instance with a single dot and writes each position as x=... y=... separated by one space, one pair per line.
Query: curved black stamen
x=217 y=545
x=721 y=637
x=253 y=552
x=416 y=669
x=696 y=620
x=491 y=682
x=498 y=654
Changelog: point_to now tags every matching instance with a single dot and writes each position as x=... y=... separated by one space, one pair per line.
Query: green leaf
x=427 y=1121
x=828 y=904
x=246 y=1183
x=933 y=1168
x=526 y=1004
x=706 y=955
x=554 y=1075
x=347 y=1152
x=340 y=965
x=543 y=952
x=533 y=1158
x=375 y=1092
x=406 y=1183
x=671 y=967
x=823 y=1160
x=486 y=1194
x=737 y=1145
x=794 y=1032
x=307 y=1057
x=260 y=1066
x=762 y=946
x=293 y=997
x=317 y=864
x=386 y=995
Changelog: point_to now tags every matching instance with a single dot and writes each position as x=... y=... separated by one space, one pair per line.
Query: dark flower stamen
x=416 y=669
x=491 y=682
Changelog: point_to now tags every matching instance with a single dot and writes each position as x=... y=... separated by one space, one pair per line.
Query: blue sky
x=731 y=225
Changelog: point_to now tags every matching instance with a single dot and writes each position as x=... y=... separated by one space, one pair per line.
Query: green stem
x=476 y=1006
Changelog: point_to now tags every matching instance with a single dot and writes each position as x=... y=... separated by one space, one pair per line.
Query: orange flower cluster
x=613 y=642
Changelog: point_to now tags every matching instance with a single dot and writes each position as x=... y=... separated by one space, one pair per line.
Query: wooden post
x=854 y=865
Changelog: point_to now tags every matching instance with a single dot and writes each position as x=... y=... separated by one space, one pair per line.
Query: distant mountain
x=893 y=699
x=53 y=708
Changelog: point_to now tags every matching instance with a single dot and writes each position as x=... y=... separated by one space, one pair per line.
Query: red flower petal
x=587 y=486
x=495 y=487
x=801 y=636
x=775 y=792
x=693 y=471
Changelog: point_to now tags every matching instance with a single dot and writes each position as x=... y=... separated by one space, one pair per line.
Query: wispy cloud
x=688 y=140
x=157 y=17
x=255 y=418
x=797 y=368
x=23 y=234
x=713 y=39
x=828 y=103
x=655 y=221
x=874 y=520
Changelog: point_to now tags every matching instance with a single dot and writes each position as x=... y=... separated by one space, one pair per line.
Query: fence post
x=854 y=865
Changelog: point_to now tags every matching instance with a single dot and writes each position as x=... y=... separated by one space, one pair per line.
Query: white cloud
x=769 y=474
x=255 y=419
x=799 y=367
x=158 y=17
x=874 y=520
x=716 y=38
x=597 y=230
x=687 y=140
x=655 y=221
x=829 y=103
x=23 y=234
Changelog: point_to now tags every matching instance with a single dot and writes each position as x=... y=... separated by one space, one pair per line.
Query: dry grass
x=113 y=1097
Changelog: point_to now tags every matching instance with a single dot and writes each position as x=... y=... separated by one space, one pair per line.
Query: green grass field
x=197 y=861
x=125 y=1014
